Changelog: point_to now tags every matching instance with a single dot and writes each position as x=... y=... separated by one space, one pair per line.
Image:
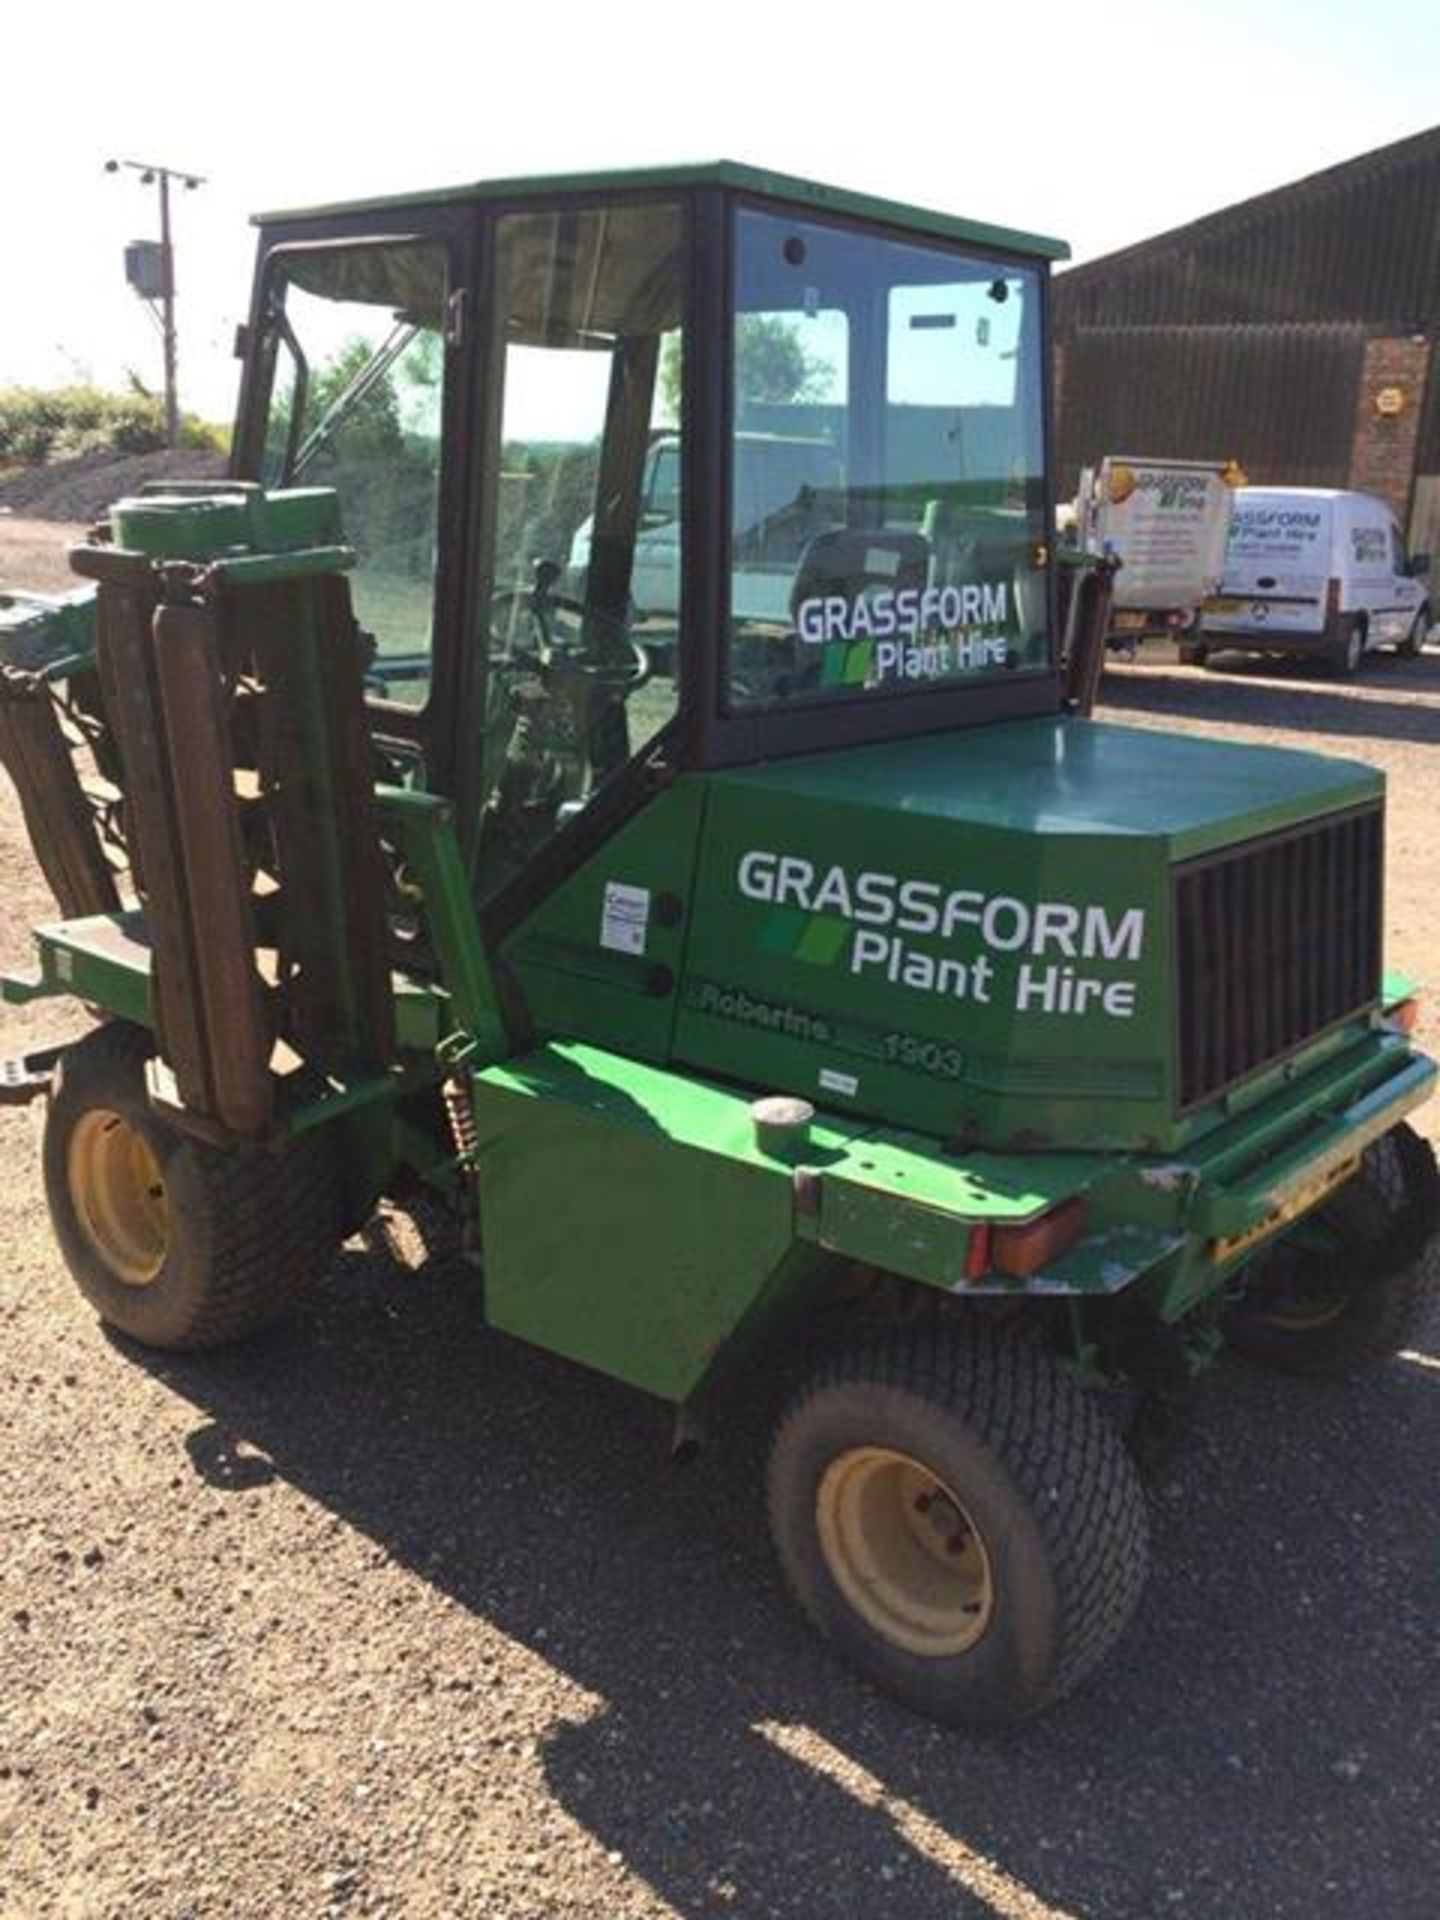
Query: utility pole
x=154 y=278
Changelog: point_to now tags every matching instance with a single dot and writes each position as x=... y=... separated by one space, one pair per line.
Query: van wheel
x=1409 y=648
x=1349 y=650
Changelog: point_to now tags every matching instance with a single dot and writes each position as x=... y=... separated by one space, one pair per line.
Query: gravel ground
x=384 y=1614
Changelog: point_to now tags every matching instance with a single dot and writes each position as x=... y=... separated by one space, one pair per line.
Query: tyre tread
x=1061 y=1452
x=266 y=1225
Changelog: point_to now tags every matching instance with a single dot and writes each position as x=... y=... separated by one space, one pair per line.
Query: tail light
x=1404 y=1015
x=1028 y=1248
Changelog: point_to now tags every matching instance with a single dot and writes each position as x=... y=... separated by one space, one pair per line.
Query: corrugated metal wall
x=1224 y=393
x=1243 y=333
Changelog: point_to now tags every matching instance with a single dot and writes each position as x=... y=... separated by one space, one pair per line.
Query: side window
x=356 y=336
x=1399 y=560
x=585 y=559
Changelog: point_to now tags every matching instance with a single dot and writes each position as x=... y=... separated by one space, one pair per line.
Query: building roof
x=1418 y=150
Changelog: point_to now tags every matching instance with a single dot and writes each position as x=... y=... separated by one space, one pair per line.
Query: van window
x=1369 y=546
x=662 y=502
x=1399 y=559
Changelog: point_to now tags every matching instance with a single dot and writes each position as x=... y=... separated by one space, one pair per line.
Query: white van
x=1314 y=570
x=1167 y=522
x=779 y=481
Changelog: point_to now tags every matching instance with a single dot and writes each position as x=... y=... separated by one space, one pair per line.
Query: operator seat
x=852 y=563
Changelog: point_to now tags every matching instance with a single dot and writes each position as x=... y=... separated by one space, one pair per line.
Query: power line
x=160 y=289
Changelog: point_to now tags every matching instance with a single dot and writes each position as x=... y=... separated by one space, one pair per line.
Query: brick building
x=1296 y=332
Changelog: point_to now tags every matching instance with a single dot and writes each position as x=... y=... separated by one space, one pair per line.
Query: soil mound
x=81 y=489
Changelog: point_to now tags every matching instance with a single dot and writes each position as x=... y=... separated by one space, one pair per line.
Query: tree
x=773 y=366
x=371 y=425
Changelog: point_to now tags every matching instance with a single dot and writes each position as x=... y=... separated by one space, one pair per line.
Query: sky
x=1100 y=124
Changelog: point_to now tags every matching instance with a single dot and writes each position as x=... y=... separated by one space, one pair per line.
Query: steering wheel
x=550 y=651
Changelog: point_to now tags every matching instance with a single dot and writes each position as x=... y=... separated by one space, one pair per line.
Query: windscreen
x=887 y=499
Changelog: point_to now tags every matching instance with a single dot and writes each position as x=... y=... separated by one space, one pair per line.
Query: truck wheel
x=174 y=1242
x=1413 y=643
x=1352 y=1285
x=1349 y=650
x=960 y=1521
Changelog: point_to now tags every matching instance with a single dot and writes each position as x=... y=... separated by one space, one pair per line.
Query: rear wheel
x=1348 y=651
x=960 y=1521
x=1353 y=1284
x=172 y=1241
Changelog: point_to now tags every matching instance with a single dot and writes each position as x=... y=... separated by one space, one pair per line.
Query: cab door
x=576 y=651
x=357 y=379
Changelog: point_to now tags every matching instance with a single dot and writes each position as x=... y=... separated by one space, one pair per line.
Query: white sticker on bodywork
x=833 y=1082
x=625 y=918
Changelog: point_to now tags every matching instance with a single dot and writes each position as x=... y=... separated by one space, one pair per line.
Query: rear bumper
x=1287 y=1153
x=1266 y=639
x=1179 y=1227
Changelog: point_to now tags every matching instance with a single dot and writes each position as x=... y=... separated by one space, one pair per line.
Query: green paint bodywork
x=1077 y=814
x=261 y=536
x=51 y=634
x=718 y=173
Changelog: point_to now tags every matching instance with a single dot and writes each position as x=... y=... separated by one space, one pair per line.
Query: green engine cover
x=971 y=935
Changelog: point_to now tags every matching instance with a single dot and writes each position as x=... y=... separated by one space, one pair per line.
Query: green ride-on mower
x=702 y=875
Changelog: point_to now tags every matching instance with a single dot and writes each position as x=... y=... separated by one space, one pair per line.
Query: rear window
x=887 y=513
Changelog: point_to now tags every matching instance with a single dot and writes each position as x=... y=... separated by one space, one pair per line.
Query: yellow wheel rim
x=118 y=1193
x=904 y=1551
x=1306 y=1319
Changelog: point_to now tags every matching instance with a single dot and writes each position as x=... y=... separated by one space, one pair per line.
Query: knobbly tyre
x=877 y=1014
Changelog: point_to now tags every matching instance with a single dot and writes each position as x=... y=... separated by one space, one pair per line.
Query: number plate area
x=1300 y=1200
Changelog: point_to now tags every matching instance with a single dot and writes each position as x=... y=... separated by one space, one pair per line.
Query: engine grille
x=1275 y=941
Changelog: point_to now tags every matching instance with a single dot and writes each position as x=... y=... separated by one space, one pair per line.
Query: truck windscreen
x=887 y=498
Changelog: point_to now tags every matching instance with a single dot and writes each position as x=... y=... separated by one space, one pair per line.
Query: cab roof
x=714 y=173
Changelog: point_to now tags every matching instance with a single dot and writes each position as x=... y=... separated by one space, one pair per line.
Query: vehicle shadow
x=1263 y=1744
x=1293 y=694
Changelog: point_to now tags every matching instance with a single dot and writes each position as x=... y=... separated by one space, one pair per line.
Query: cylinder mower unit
x=230 y=677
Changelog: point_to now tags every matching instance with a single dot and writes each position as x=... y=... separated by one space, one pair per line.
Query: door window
x=586 y=561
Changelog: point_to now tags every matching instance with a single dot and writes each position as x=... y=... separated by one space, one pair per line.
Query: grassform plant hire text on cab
x=884 y=905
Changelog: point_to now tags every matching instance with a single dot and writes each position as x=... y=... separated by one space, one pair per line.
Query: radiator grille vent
x=1275 y=942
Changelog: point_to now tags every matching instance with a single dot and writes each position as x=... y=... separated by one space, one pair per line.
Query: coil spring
x=461 y=1115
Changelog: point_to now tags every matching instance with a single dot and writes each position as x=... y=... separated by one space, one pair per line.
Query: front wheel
x=174 y=1242
x=1354 y=1282
x=960 y=1521
x=1411 y=646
